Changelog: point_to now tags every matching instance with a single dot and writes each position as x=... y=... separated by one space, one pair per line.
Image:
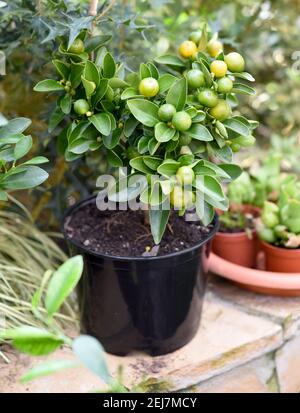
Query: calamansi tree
x=175 y=118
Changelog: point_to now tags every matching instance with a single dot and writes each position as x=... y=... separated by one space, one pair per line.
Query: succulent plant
x=280 y=222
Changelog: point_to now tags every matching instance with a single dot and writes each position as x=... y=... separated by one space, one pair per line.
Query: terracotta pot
x=281 y=259
x=259 y=281
x=236 y=247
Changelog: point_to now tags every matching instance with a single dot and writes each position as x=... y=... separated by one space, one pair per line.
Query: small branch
x=106 y=10
x=93 y=8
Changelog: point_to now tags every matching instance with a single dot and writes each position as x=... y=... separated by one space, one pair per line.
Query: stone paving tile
x=253 y=377
x=288 y=366
x=282 y=310
x=226 y=339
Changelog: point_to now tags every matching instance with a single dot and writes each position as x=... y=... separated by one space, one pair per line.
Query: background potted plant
x=236 y=240
x=279 y=228
x=175 y=123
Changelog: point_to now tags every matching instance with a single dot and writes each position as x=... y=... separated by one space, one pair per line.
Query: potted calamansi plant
x=146 y=238
x=236 y=240
x=279 y=229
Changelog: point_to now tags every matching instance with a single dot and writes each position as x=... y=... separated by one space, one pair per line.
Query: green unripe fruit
x=166 y=112
x=181 y=121
x=225 y=85
x=245 y=141
x=208 y=98
x=184 y=140
x=221 y=111
x=195 y=37
x=195 y=78
x=77 y=47
x=267 y=234
x=81 y=107
x=185 y=175
x=235 y=147
x=235 y=62
x=149 y=87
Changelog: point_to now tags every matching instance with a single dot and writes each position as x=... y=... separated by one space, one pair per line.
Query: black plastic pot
x=151 y=304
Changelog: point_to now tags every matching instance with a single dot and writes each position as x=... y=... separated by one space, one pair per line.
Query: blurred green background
x=265 y=32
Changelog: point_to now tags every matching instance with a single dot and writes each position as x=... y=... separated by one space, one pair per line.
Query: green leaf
x=109 y=66
x=206 y=72
x=144 y=111
x=62 y=68
x=243 y=75
x=66 y=104
x=139 y=165
x=100 y=91
x=168 y=168
x=48 y=85
x=62 y=283
x=89 y=86
x=152 y=162
x=22 y=147
x=199 y=132
x=92 y=355
x=129 y=93
x=79 y=146
x=209 y=186
x=15 y=126
x=165 y=82
x=153 y=70
x=114 y=159
x=158 y=223
x=177 y=94
x=113 y=139
x=204 y=211
x=130 y=126
x=75 y=75
x=170 y=60
x=45 y=369
x=91 y=72
x=32 y=340
x=153 y=146
x=221 y=205
x=163 y=133
x=28 y=177
x=55 y=118
x=236 y=126
x=102 y=123
x=94 y=42
x=243 y=89
x=144 y=71
x=234 y=171
x=37 y=160
x=201 y=115
x=117 y=83
x=143 y=144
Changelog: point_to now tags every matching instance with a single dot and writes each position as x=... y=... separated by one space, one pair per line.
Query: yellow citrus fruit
x=214 y=47
x=235 y=62
x=187 y=49
x=221 y=111
x=218 y=68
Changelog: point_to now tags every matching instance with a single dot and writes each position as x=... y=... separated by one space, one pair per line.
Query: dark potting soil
x=225 y=230
x=123 y=233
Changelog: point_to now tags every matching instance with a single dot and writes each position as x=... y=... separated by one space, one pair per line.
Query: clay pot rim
x=234 y=234
x=274 y=250
x=254 y=277
x=196 y=246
